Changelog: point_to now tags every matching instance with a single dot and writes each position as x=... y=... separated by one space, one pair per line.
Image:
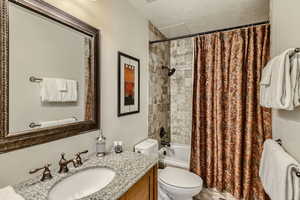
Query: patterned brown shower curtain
x=229 y=126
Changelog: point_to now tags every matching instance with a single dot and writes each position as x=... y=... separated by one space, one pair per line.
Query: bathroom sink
x=81 y=184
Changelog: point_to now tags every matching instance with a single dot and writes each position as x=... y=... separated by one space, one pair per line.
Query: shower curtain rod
x=209 y=32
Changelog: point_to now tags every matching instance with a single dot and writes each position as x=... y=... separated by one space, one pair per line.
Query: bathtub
x=177 y=155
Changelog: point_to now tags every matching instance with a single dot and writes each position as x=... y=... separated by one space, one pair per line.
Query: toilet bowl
x=178 y=184
x=173 y=183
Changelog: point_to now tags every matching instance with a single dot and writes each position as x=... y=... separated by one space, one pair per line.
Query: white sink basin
x=81 y=184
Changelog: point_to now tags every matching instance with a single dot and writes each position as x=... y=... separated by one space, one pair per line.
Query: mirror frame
x=40 y=136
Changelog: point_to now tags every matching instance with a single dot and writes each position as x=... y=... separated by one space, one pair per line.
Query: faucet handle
x=62 y=156
x=62 y=159
x=83 y=152
x=63 y=164
x=78 y=161
x=46 y=174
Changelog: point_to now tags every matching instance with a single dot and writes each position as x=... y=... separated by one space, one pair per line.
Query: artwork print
x=128 y=85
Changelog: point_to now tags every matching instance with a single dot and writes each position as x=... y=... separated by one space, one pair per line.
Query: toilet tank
x=148 y=147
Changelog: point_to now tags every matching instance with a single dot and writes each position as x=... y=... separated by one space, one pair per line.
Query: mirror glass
x=50 y=73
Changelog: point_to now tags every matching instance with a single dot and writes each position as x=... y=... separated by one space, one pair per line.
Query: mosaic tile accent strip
x=159 y=85
x=181 y=90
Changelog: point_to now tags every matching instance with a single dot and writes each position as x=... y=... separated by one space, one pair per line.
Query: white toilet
x=173 y=183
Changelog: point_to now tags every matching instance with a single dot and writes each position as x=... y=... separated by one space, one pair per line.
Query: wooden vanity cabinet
x=145 y=188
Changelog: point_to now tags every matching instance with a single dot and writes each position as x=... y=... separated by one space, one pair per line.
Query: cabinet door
x=123 y=198
x=141 y=190
x=145 y=188
x=154 y=183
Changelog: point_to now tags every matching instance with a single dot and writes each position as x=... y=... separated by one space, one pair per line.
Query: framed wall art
x=128 y=85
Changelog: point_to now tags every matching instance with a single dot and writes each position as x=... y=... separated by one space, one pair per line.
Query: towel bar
x=35 y=125
x=35 y=79
x=75 y=118
x=279 y=141
x=297 y=50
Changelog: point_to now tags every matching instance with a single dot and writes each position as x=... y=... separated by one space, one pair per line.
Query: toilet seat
x=180 y=178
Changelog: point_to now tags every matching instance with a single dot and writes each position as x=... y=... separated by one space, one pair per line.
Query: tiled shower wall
x=181 y=84
x=170 y=98
x=159 y=85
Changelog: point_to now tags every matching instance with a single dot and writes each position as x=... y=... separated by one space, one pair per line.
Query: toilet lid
x=180 y=178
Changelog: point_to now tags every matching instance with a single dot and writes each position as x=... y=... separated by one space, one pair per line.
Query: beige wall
x=285 y=17
x=122 y=29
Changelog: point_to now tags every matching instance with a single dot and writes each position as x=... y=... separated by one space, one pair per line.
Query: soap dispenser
x=100 y=145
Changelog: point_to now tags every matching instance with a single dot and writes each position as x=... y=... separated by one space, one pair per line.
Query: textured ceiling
x=180 y=17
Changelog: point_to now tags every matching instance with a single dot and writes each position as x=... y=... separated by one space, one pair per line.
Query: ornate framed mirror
x=49 y=69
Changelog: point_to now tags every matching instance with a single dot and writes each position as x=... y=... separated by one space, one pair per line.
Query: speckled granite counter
x=129 y=168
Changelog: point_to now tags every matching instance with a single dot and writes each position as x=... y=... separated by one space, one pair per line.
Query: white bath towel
x=296 y=79
x=277 y=174
x=49 y=91
x=265 y=85
x=279 y=81
x=8 y=193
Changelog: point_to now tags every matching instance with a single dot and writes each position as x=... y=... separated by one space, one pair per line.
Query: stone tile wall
x=170 y=98
x=159 y=85
x=181 y=84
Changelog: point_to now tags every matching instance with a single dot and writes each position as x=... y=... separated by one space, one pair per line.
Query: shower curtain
x=229 y=126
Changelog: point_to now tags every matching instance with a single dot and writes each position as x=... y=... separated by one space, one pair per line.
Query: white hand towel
x=284 y=95
x=71 y=95
x=8 y=193
x=49 y=91
x=276 y=172
x=278 y=83
x=62 y=85
x=265 y=91
x=58 y=90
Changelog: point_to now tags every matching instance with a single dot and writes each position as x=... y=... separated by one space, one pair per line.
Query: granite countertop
x=129 y=168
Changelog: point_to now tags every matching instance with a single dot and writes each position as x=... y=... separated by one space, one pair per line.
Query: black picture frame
x=120 y=78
